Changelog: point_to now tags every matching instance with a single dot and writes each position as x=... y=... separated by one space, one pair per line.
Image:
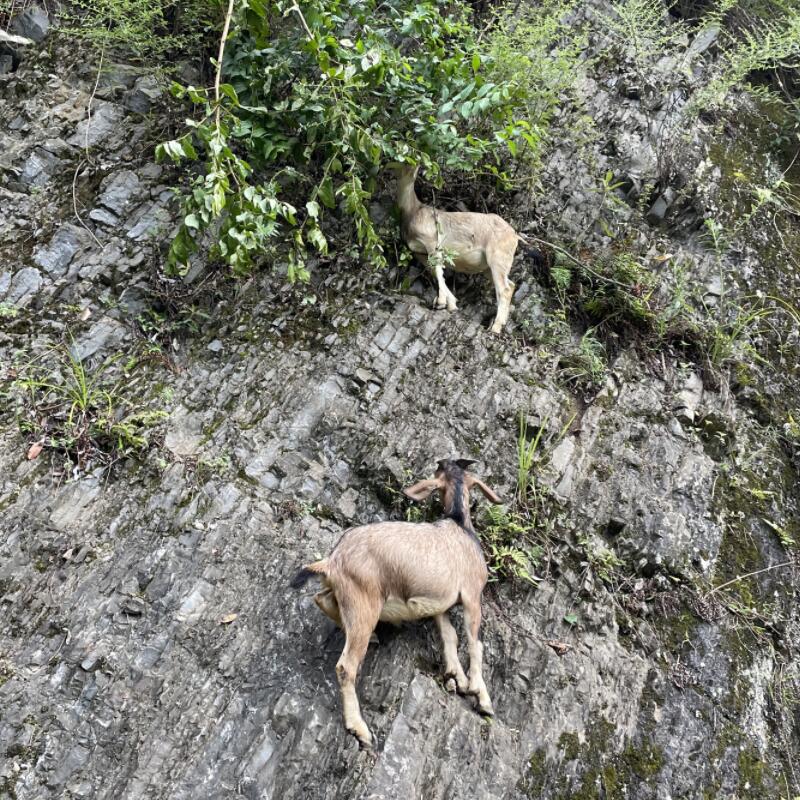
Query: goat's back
x=471 y=239
x=406 y=560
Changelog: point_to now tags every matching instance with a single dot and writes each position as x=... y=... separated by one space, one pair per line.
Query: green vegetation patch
x=151 y=32
x=310 y=105
x=601 y=773
x=90 y=416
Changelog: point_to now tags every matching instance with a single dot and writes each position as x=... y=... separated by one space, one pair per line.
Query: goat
x=397 y=571
x=475 y=242
x=10 y=38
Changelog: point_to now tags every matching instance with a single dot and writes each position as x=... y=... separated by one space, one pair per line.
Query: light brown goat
x=397 y=571
x=473 y=242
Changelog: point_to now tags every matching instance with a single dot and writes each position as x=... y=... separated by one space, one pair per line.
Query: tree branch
x=225 y=30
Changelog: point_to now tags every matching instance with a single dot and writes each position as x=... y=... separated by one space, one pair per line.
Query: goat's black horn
x=465 y=462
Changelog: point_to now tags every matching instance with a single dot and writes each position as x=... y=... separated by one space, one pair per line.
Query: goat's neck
x=407 y=199
x=456 y=507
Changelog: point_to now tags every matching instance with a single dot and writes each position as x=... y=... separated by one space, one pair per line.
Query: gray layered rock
x=144 y=94
x=660 y=207
x=57 y=256
x=33 y=23
x=23 y=286
x=105 y=335
x=103 y=122
x=150 y=646
x=39 y=168
x=119 y=191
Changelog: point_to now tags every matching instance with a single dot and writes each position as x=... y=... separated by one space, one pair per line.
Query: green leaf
x=325 y=192
x=312 y=207
x=194 y=95
x=476 y=62
x=571 y=619
x=173 y=149
x=230 y=93
x=319 y=241
x=191 y=221
x=259 y=7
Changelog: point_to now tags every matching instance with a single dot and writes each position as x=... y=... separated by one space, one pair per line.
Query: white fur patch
x=397 y=610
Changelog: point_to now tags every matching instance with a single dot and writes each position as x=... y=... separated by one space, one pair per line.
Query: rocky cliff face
x=149 y=644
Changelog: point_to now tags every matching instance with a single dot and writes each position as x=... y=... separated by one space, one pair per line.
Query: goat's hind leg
x=453 y=671
x=477 y=687
x=326 y=601
x=500 y=264
x=359 y=616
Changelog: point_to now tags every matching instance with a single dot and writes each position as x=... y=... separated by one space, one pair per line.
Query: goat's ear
x=422 y=490
x=489 y=494
x=465 y=462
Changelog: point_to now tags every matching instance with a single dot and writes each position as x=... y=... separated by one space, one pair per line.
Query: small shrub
x=603 y=562
x=738 y=326
x=149 y=31
x=87 y=416
x=526 y=458
x=585 y=367
x=751 y=44
x=509 y=544
x=628 y=295
x=537 y=49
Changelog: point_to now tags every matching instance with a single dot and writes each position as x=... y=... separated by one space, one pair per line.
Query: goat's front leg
x=446 y=298
x=453 y=671
x=472 y=623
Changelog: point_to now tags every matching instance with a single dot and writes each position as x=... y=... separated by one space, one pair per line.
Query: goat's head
x=404 y=171
x=454 y=483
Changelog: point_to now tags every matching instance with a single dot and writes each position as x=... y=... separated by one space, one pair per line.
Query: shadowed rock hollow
x=149 y=644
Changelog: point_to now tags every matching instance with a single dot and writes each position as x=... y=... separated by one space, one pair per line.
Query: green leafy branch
x=317 y=101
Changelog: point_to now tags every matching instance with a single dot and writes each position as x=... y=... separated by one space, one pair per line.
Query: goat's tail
x=308 y=571
x=541 y=255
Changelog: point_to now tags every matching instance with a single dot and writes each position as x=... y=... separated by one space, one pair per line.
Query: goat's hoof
x=451 y=304
x=364 y=737
x=485 y=709
x=452 y=684
x=440 y=305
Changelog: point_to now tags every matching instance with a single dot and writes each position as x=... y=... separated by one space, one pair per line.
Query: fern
x=767 y=44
